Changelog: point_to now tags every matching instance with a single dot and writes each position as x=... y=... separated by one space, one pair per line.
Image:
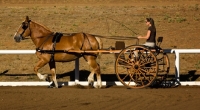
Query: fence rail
x=177 y=53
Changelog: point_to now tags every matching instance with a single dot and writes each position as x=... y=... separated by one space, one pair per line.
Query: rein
x=118 y=38
x=123 y=25
x=108 y=37
x=38 y=48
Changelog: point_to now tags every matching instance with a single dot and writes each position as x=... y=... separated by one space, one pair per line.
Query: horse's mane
x=41 y=25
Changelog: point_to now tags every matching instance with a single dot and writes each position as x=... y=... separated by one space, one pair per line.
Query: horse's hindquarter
x=79 y=41
x=91 y=42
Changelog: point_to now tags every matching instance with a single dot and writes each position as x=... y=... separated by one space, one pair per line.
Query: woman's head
x=150 y=21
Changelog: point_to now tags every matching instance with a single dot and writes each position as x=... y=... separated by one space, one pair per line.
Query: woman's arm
x=145 y=37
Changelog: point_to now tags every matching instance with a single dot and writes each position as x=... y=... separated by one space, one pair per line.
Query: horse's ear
x=27 y=18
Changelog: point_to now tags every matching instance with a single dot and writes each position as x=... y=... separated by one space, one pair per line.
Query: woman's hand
x=139 y=37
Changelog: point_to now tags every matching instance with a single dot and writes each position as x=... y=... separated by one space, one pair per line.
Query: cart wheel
x=163 y=71
x=164 y=64
x=136 y=67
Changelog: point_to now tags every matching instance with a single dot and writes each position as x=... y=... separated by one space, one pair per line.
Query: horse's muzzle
x=18 y=38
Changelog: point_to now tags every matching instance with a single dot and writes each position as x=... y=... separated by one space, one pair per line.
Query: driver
x=151 y=33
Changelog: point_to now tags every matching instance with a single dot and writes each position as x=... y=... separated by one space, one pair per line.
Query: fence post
x=177 y=67
x=77 y=71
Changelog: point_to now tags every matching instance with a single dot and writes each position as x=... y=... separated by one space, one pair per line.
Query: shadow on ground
x=161 y=81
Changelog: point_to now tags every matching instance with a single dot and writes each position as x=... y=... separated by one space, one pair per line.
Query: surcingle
x=57 y=37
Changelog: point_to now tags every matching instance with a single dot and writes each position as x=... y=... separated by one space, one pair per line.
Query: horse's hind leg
x=98 y=75
x=39 y=65
x=95 y=69
x=53 y=72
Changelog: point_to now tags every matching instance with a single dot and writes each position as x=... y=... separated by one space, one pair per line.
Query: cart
x=137 y=66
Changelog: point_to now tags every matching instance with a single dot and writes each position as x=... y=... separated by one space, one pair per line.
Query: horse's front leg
x=53 y=72
x=91 y=78
x=39 y=65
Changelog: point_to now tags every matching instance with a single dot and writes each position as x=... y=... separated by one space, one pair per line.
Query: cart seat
x=157 y=48
x=119 y=45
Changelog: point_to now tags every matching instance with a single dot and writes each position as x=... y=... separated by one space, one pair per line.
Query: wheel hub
x=136 y=66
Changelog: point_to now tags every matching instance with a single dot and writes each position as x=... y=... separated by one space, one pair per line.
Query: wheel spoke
x=144 y=75
x=124 y=61
x=125 y=77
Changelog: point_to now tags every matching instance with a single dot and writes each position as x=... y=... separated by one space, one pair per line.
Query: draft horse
x=52 y=47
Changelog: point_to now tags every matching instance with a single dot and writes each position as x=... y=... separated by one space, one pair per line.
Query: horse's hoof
x=97 y=86
x=51 y=86
x=90 y=83
x=90 y=80
x=59 y=86
x=54 y=86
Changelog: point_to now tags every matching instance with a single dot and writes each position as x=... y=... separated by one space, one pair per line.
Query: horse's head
x=23 y=31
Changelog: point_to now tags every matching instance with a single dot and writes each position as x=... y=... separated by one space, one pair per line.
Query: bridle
x=24 y=27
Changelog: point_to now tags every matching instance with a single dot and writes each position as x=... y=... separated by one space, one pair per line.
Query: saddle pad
x=57 y=37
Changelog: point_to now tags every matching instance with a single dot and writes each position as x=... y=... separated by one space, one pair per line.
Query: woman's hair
x=151 y=21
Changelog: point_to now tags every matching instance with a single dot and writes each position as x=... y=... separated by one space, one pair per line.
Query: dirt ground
x=113 y=98
x=176 y=20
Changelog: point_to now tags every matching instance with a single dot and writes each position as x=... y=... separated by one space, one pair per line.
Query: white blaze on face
x=17 y=30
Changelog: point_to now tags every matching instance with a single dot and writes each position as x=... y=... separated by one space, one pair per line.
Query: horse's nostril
x=17 y=39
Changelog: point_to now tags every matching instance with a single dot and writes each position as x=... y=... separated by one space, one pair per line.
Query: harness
x=56 y=39
x=85 y=37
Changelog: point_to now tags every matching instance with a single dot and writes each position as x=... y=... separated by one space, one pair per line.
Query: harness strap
x=85 y=37
x=38 y=48
x=55 y=39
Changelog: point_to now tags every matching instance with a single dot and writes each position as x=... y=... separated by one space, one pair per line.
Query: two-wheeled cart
x=137 y=66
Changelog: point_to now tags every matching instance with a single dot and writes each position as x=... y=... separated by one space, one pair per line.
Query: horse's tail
x=100 y=46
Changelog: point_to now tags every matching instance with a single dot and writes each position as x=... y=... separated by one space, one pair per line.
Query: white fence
x=177 y=52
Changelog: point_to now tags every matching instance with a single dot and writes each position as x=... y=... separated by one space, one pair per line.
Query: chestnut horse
x=52 y=47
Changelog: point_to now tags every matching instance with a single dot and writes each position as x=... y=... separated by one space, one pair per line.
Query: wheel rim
x=136 y=67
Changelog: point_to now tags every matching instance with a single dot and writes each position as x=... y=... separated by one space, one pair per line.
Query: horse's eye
x=24 y=27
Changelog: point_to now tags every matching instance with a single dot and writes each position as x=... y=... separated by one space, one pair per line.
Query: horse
x=53 y=47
